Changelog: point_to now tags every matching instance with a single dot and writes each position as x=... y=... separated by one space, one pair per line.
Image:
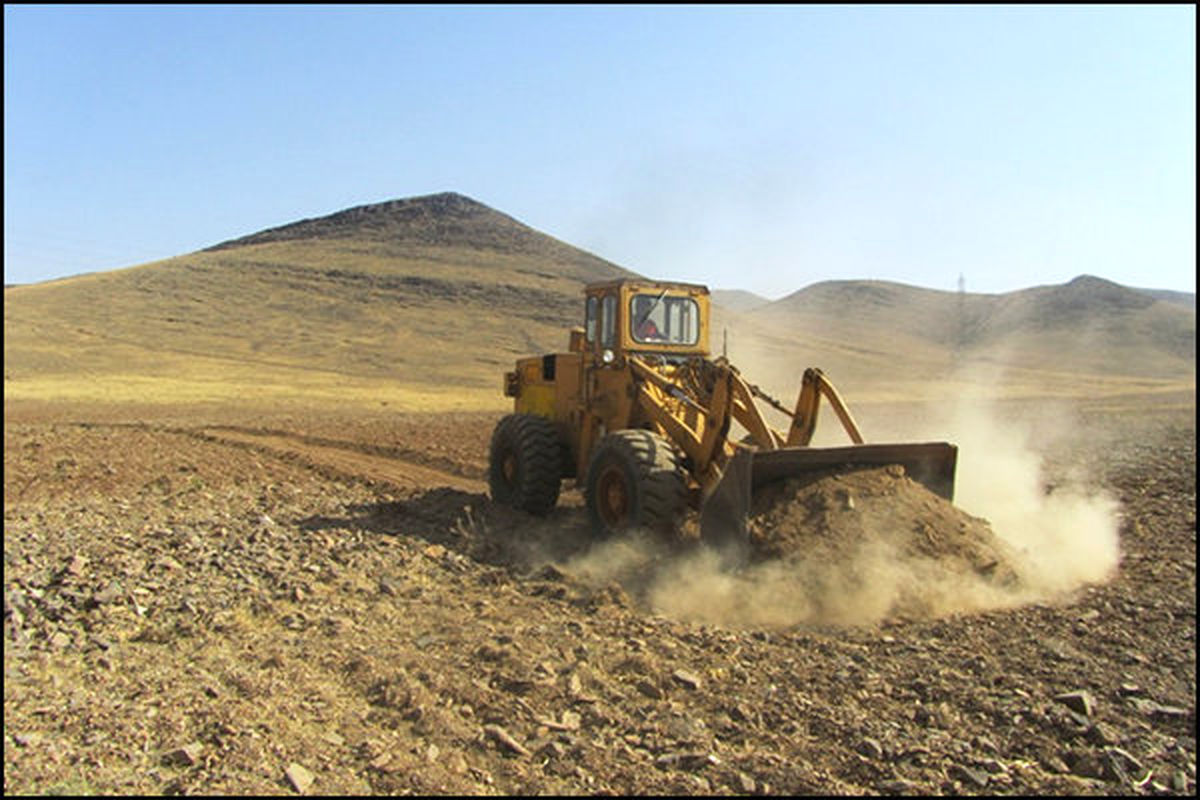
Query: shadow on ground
x=471 y=525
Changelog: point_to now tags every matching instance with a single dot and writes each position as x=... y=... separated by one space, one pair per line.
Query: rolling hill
x=439 y=292
x=738 y=300
x=429 y=299
x=1086 y=325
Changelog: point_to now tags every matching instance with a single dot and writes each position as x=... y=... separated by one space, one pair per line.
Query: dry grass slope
x=1087 y=327
x=429 y=293
x=424 y=302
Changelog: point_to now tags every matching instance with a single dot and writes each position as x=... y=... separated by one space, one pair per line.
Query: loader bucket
x=724 y=511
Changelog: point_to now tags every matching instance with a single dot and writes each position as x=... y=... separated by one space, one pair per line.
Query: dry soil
x=214 y=603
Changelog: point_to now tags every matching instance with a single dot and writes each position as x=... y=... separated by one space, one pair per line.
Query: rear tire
x=525 y=463
x=635 y=480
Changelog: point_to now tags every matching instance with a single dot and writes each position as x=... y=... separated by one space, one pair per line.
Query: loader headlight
x=607 y=356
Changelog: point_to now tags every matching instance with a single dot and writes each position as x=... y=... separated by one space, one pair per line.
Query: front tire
x=525 y=465
x=635 y=480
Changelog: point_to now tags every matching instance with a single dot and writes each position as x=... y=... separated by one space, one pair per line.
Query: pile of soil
x=851 y=522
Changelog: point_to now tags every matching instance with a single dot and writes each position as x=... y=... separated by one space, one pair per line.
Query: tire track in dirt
x=347 y=461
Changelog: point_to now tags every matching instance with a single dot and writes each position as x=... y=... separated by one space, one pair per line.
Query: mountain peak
x=446 y=217
x=1089 y=293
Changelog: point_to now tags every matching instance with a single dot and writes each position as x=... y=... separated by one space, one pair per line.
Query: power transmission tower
x=960 y=337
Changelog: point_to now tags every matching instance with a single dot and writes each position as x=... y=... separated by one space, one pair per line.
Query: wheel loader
x=639 y=414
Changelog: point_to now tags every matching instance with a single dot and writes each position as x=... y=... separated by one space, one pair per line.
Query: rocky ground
x=332 y=605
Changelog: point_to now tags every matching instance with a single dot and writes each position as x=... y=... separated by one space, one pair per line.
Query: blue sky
x=760 y=148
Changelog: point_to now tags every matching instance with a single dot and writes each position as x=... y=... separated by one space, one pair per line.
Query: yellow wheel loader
x=638 y=413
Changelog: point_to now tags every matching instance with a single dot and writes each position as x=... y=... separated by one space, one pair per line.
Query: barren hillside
x=428 y=300
x=737 y=300
x=437 y=291
x=1088 y=325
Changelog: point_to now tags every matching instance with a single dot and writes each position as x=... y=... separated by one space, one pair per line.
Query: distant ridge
x=1087 y=323
x=440 y=293
x=1185 y=299
x=738 y=300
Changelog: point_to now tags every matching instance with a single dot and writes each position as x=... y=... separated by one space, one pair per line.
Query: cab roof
x=646 y=283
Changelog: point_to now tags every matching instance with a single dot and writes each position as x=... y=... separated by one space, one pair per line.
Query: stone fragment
x=741 y=713
x=1124 y=759
x=1168 y=712
x=111 y=592
x=689 y=760
x=744 y=783
x=1055 y=764
x=649 y=689
x=1079 y=701
x=1142 y=705
x=570 y=722
x=1179 y=781
x=26 y=739
x=1060 y=649
x=969 y=776
x=300 y=778
x=993 y=766
x=1102 y=734
x=896 y=787
x=188 y=755
x=551 y=573
x=505 y=740
x=551 y=749
x=687 y=679
x=167 y=563
x=684 y=729
x=986 y=745
x=1084 y=763
x=869 y=748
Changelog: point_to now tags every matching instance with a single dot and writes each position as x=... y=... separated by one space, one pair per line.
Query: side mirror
x=577 y=343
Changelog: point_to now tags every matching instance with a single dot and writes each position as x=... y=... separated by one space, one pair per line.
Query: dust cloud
x=1064 y=536
x=1048 y=543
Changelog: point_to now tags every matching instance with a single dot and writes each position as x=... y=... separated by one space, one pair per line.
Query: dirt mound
x=827 y=515
x=876 y=530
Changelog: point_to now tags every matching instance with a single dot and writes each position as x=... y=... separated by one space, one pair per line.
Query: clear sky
x=758 y=148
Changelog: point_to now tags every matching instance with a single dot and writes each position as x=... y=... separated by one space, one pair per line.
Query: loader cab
x=632 y=316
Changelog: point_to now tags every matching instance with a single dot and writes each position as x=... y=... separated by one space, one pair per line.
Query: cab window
x=593 y=310
x=608 y=321
x=658 y=319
